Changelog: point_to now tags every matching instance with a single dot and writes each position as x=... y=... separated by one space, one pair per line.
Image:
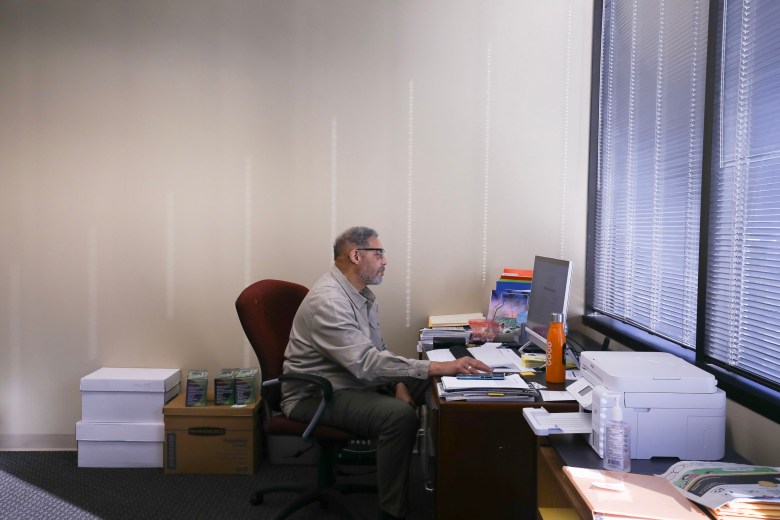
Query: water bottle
x=555 y=369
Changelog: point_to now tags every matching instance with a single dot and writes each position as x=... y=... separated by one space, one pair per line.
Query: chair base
x=326 y=496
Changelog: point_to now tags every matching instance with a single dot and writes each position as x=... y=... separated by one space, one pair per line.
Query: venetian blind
x=743 y=275
x=649 y=165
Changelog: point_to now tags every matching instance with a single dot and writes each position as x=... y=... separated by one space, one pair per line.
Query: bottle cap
x=556 y=317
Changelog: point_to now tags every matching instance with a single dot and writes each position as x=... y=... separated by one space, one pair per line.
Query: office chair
x=266 y=310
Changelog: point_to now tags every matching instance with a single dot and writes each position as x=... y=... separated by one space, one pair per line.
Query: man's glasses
x=379 y=251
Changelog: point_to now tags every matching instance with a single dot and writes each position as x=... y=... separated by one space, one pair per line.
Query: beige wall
x=157 y=157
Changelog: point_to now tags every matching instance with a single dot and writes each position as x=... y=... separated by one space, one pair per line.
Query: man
x=336 y=334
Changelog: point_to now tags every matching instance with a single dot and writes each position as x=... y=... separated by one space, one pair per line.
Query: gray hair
x=357 y=236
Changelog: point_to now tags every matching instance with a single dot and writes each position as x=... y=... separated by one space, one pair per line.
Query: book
x=509 y=308
x=614 y=494
x=524 y=274
x=453 y=320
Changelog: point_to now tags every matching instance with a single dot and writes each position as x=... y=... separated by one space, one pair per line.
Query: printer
x=674 y=408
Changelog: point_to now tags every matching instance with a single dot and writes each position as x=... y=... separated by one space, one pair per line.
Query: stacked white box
x=122 y=423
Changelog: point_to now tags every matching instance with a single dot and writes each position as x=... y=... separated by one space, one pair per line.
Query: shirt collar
x=359 y=299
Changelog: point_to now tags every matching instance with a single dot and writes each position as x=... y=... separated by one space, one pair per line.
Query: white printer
x=673 y=407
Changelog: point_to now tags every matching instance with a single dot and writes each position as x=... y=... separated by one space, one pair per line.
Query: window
x=684 y=247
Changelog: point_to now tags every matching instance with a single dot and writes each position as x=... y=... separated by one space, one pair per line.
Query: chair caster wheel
x=256 y=499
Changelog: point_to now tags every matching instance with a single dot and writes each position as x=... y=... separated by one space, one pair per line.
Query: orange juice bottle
x=555 y=370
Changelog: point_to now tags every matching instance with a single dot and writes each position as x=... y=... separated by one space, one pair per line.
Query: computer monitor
x=549 y=294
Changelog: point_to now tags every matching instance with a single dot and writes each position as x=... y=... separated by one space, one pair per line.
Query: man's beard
x=370 y=277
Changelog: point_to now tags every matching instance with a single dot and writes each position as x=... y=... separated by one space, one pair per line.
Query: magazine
x=729 y=489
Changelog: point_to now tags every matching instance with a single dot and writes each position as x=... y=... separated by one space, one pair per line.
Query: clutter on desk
x=483 y=330
x=536 y=360
x=728 y=490
x=497 y=358
x=511 y=388
x=431 y=338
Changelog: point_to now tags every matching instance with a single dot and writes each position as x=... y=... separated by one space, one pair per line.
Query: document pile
x=729 y=490
x=510 y=388
x=456 y=335
x=447 y=328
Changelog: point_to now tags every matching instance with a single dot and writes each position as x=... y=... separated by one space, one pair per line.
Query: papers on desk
x=511 y=388
x=556 y=395
x=499 y=359
x=510 y=382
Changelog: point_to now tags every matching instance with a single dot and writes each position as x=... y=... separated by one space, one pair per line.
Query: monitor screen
x=549 y=294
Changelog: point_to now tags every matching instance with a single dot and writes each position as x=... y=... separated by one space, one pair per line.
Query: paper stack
x=511 y=388
x=729 y=490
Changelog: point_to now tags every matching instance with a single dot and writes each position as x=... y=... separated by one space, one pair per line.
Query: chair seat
x=282 y=425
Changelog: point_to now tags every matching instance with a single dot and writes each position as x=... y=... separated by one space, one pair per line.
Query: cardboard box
x=120 y=445
x=212 y=439
x=127 y=394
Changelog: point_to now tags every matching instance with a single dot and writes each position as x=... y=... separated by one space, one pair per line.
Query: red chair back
x=266 y=310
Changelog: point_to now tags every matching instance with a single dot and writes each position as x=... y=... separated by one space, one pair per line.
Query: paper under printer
x=674 y=408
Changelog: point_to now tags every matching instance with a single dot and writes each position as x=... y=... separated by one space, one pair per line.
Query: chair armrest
x=325 y=386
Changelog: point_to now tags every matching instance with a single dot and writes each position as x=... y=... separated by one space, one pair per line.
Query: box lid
x=131 y=380
x=178 y=407
x=119 y=431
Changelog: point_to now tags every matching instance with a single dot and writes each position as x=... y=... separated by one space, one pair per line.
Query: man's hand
x=464 y=365
x=402 y=394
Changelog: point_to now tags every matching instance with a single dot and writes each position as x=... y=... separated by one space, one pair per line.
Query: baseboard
x=37 y=442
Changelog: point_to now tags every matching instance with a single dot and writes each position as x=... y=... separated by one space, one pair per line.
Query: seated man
x=336 y=334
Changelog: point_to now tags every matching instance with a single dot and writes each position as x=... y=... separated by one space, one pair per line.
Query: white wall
x=157 y=157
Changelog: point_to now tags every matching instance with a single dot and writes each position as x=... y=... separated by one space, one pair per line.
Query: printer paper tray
x=544 y=423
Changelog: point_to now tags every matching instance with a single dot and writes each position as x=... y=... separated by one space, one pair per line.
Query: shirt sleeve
x=336 y=333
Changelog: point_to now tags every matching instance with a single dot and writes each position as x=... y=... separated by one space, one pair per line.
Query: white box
x=120 y=445
x=128 y=394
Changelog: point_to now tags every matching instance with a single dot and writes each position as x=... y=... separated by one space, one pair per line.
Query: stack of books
x=509 y=301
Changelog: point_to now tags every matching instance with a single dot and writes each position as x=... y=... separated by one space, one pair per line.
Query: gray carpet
x=50 y=485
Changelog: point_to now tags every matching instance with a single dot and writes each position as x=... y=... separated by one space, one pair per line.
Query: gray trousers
x=373 y=415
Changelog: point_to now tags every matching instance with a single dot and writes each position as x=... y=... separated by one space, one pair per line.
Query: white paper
x=556 y=395
x=451 y=383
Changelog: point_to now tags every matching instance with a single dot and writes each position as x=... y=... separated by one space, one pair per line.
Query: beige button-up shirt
x=336 y=334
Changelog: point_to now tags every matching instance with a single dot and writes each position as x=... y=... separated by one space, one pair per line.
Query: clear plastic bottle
x=555 y=370
x=617 y=439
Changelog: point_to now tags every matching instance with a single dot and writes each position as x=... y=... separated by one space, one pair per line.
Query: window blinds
x=743 y=275
x=649 y=165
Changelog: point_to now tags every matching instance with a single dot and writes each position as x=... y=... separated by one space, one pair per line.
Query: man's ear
x=354 y=256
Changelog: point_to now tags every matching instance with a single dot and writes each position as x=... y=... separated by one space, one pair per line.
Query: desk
x=554 y=490
x=485 y=457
